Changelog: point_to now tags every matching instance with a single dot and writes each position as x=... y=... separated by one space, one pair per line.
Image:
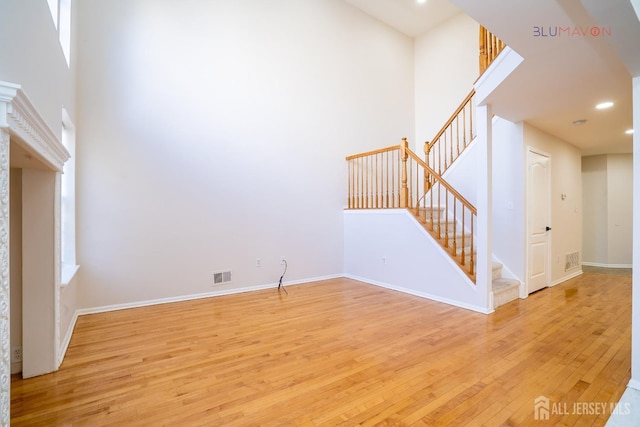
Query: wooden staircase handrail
x=429 y=145
x=373 y=152
x=444 y=183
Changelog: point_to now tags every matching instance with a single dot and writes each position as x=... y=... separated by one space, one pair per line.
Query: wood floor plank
x=340 y=352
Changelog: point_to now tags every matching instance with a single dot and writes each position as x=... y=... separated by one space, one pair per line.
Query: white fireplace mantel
x=19 y=116
x=20 y=122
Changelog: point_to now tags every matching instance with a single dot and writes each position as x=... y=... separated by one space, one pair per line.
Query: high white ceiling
x=408 y=16
x=561 y=78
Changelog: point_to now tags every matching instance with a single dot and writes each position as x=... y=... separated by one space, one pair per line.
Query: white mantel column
x=5 y=358
x=40 y=271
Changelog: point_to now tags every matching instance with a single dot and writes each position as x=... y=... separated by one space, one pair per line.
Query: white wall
x=30 y=55
x=566 y=215
x=214 y=133
x=509 y=204
x=608 y=189
x=462 y=174
x=595 y=226
x=620 y=200
x=446 y=66
x=390 y=248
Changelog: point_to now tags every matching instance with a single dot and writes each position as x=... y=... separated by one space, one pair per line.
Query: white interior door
x=539 y=223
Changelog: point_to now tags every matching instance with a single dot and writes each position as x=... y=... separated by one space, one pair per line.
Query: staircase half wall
x=389 y=248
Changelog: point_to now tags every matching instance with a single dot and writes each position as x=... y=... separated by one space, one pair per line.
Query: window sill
x=68 y=273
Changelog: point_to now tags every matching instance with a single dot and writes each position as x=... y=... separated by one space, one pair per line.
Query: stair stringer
x=390 y=248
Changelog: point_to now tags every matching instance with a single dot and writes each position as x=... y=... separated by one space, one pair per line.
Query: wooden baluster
x=380 y=181
x=393 y=179
x=472 y=262
x=470 y=121
x=349 y=184
x=376 y=190
x=458 y=135
x=399 y=177
x=439 y=155
x=446 y=218
x=388 y=176
x=462 y=254
x=354 y=175
x=362 y=181
x=355 y=183
x=368 y=182
x=404 y=191
x=417 y=187
x=439 y=213
x=483 y=49
x=455 y=224
x=431 y=210
x=410 y=183
x=464 y=127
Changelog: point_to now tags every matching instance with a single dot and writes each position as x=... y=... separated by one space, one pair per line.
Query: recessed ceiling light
x=629 y=132
x=579 y=122
x=421 y=1
x=604 y=105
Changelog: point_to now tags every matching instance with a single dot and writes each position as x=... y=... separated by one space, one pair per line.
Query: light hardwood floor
x=340 y=352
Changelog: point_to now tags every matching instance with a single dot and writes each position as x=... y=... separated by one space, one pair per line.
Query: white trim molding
x=5 y=354
x=420 y=294
x=602 y=265
x=222 y=292
x=20 y=116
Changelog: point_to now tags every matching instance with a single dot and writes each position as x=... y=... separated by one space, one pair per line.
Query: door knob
x=548 y=228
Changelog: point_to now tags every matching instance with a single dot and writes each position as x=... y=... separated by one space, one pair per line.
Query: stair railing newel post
x=404 y=190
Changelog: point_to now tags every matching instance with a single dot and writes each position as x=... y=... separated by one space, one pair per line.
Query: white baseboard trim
x=597 y=264
x=421 y=294
x=564 y=279
x=137 y=304
x=634 y=384
x=67 y=338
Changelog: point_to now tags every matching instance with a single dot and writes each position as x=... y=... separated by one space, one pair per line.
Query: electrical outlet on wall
x=16 y=354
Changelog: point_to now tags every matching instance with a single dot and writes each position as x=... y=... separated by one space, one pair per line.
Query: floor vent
x=572 y=260
x=221 y=277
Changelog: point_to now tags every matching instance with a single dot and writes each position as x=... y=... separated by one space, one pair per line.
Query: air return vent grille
x=221 y=277
x=572 y=260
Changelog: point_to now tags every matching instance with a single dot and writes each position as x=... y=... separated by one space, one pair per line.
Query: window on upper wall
x=61 y=15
